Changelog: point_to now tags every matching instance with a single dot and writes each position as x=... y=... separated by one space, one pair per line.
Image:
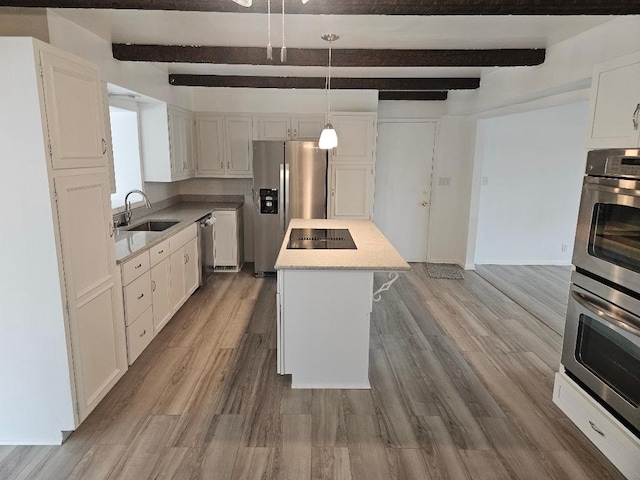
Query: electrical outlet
x=563 y=248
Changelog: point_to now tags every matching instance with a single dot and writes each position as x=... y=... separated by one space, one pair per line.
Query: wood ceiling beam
x=340 y=57
x=378 y=7
x=411 y=95
x=396 y=84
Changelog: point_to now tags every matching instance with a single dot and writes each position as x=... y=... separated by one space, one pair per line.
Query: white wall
x=532 y=169
x=35 y=387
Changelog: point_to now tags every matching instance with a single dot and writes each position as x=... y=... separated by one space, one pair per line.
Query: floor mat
x=445 y=270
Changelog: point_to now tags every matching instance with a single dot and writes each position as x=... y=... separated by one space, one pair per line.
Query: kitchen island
x=324 y=302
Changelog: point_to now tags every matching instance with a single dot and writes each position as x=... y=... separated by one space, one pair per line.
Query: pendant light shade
x=328 y=137
x=244 y=3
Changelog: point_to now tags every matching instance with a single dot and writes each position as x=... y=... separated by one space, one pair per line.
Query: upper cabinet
x=210 y=145
x=615 y=104
x=74 y=111
x=285 y=127
x=356 y=137
x=238 y=132
x=167 y=136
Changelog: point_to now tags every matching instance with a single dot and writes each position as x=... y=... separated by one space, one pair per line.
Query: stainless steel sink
x=153 y=226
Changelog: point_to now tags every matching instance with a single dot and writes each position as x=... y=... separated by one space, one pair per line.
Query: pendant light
x=328 y=137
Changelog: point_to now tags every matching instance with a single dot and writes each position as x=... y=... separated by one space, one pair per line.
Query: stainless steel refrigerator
x=289 y=181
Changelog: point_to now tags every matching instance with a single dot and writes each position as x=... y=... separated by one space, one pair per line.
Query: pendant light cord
x=329 y=85
x=269 y=48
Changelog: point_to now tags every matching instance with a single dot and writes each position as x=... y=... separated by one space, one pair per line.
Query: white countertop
x=373 y=250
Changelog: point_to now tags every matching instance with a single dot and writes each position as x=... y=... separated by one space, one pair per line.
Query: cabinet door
x=161 y=294
x=226 y=239
x=307 y=127
x=615 y=101
x=238 y=143
x=177 y=283
x=351 y=191
x=210 y=145
x=92 y=289
x=177 y=146
x=355 y=138
x=273 y=127
x=192 y=266
x=189 y=146
x=73 y=105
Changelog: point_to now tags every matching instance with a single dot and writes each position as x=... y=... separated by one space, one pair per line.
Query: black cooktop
x=321 y=238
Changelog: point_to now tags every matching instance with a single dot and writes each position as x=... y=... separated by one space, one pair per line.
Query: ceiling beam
x=340 y=57
x=378 y=7
x=411 y=95
x=416 y=84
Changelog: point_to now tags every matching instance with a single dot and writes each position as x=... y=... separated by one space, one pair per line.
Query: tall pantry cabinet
x=63 y=343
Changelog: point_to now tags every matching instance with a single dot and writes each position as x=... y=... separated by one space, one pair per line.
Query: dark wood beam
x=340 y=57
x=410 y=95
x=319 y=82
x=378 y=7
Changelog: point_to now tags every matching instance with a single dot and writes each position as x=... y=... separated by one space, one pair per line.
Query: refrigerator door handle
x=282 y=213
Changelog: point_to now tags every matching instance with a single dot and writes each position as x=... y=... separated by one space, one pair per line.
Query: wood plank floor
x=461 y=379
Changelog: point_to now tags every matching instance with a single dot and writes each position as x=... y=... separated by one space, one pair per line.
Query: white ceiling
x=304 y=31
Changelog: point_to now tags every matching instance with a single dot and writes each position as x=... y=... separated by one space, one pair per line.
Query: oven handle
x=614 y=315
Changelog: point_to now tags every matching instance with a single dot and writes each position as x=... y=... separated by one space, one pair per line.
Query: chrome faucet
x=127 y=205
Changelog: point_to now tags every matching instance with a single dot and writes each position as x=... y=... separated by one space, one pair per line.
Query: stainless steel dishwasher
x=207 y=233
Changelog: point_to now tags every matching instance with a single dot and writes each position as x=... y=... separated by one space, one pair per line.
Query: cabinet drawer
x=611 y=438
x=135 y=267
x=137 y=297
x=159 y=252
x=182 y=237
x=140 y=334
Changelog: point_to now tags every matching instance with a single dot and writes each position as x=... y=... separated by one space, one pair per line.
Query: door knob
x=425 y=203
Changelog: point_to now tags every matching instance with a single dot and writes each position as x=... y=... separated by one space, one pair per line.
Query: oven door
x=608 y=232
x=602 y=349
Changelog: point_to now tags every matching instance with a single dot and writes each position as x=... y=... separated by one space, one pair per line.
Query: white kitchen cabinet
x=107 y=136
x=160 y=291
x=351 y=191
x=229 y=240
x=238 y=131
x=139 y=334
x=272 y=127
x=210 y=145
x=167 y=141
x=62 y=308
x=184 y=265
x=307 y=127
x=356 y=138
x=178 y=292
x=609 y=436
x=74 y=112
x=286 y=127
x=614 y=115
x=96 y=326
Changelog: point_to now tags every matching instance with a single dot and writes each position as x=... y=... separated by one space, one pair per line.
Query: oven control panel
x=614 y=163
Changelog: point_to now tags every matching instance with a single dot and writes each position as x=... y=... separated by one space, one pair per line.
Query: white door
x=96 y=323
x=161 y=292
x=404 y=167
x=73 y=105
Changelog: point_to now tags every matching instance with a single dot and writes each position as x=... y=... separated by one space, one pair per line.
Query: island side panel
x=325 y=327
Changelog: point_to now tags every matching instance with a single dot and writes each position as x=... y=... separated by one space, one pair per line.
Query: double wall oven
x=601 y=349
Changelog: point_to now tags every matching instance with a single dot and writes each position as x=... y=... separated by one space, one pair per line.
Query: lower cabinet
x=351 y=194
x=229 y=241
x=156 y=283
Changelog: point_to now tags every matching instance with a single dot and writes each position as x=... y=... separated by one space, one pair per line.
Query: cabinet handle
x=221 y=165
x=153 y=286
x=186 y=258
x=161 y=251
x=138 y=266
x=595 y=428
x=295 y=133
x=228 y=165
x=144 y=332
x=634 y=118
x=111 y=228
x=141 y=295
x=104 y=146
